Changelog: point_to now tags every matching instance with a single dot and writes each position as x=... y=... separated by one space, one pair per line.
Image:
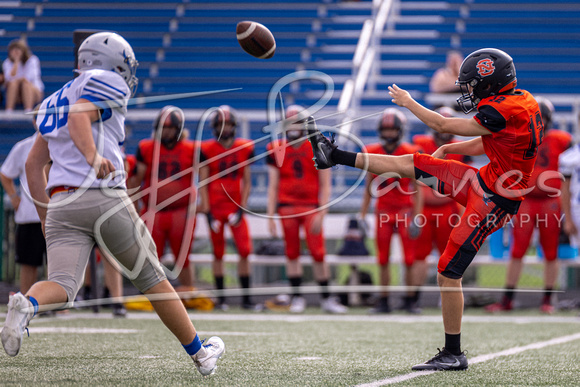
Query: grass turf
x=281 y=350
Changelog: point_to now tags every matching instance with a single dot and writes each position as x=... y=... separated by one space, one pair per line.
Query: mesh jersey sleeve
x=490 y=118
x=107 y=90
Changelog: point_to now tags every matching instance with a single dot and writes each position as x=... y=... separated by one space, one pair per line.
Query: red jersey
x=299 y=182
x=171 y=162
x=226 y=185
x=131 y=165
x=554 y=143
x=429 y=146
x=391 y=197
x=516 y=127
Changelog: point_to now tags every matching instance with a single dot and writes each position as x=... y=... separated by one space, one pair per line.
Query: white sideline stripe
x=284 y=317
x=226 y=333
x=478 y=359
x=40 y=330
x=79 y=330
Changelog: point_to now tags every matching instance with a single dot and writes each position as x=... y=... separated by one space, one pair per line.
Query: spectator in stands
x=166 y=206
x=22 y=76
x=299 y=193
x=439 y=212
x=540 y=210
x=30 y=243
x=224 y=191
x=443 y=80
x=398 y=202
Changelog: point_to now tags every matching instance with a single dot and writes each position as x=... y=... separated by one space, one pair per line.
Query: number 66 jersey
x=516 y=127
x=109 y=92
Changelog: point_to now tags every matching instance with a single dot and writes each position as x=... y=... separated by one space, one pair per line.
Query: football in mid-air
x=256 y=39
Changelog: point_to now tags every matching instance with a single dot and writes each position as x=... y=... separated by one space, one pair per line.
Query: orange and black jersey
x=171 y=162
x=226 y=169
x=391 y=197
x=517 y=130
x=299 y=181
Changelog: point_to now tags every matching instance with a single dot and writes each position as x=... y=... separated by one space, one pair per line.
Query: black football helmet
x=224 y=114
x=169 y=117
x=392 y=119
x=484 y=73
x=546 y=110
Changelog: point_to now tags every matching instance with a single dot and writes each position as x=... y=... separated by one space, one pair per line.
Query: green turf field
x=269 y=349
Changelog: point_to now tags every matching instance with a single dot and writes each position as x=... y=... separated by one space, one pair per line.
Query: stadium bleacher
x=190 y=46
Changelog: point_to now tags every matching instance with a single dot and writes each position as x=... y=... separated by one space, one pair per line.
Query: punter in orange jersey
x=165 y=169
x=440 y=213
x=225 y=184
x=398 y=202
x=299 y=193
x=509 y=128
x=540 y=210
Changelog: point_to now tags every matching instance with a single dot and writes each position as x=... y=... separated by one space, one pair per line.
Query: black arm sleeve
x=491 y=119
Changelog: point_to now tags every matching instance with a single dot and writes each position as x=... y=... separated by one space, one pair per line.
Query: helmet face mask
x=391 y=126
x=168 y=126
x=295 y=122
x=484 y=73
x=224 y=123
x=110 y=51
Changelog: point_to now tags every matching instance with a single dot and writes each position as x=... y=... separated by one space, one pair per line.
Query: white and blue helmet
x=109 y=51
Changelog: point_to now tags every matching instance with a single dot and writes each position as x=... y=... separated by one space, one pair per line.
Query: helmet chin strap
x=169 y=144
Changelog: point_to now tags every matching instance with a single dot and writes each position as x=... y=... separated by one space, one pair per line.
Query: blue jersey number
x=56 y=114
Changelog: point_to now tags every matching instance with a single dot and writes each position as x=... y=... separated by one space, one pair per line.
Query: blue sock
x=34 y=304
x=193 y=347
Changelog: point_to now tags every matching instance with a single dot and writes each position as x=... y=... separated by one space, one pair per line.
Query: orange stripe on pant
x=481 y=217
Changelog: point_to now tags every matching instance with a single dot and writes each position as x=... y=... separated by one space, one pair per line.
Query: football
x=256 y=39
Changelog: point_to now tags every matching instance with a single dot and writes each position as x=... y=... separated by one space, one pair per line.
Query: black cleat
x=252 y=307
x=322 y=147
x=119 y=310
x=443 y=361
x=382 y=307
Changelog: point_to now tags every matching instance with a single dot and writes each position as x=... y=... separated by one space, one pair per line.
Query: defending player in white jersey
x=568 y=165
x=85 y=200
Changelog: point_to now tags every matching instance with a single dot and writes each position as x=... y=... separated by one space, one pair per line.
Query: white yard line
x=39 y=330
x=267 y=316
x=478 y=359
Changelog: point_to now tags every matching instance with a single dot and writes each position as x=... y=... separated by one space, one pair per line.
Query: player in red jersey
x=440 y=213
x=169 y=206
x=509 y=129
x=540 y=210
x=398 y=202
x=299 y=193
x=226 y=194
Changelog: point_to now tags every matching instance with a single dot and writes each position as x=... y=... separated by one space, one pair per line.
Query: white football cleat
x=214 y=349
x=20 y=312
x=298 y=305
x=331 y=305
